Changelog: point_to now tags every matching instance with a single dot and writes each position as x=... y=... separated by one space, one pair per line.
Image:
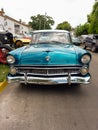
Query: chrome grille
x=49 y=71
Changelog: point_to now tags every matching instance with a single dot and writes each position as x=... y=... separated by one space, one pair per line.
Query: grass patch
x=4 y=70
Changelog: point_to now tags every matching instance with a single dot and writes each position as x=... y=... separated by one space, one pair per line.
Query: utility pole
x=45 y=20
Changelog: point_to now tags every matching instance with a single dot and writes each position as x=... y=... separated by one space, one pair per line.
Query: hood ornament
x=47 y=58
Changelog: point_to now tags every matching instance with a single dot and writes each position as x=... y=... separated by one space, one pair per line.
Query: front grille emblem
x=47 y=58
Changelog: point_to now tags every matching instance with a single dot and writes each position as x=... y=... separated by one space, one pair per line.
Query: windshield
x=50 y=37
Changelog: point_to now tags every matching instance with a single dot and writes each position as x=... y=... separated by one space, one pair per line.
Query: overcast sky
x=73 y=11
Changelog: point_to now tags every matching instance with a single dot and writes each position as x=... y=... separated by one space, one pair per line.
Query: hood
x=47 y=55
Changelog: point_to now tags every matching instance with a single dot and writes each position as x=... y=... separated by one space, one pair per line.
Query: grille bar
x=49 y=71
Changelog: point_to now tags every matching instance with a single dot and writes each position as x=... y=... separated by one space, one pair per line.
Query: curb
x=3 y=85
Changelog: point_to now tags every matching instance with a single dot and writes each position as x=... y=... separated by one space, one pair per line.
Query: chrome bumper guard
x=29 y=79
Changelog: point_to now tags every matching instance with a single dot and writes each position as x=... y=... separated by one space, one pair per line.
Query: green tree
x=91 y=26
x=40 y=22
x=64 y=26
x=93 y=19
x=82 y=29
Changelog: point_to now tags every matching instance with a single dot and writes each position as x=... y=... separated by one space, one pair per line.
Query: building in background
x=14 y=26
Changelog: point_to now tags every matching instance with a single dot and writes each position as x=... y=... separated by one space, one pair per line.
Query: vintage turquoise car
x=51 y=58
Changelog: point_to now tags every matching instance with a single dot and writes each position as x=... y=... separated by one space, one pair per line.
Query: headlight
x=85 y=59
x=10 y=59
x=84 y=70
x=13 y=70
x=4 y=50
x=5 y=37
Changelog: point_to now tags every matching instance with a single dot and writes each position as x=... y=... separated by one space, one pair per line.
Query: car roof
x=55 y=30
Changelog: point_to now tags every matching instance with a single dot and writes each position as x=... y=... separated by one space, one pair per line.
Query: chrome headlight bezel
x=85 y=59
x=10 y=59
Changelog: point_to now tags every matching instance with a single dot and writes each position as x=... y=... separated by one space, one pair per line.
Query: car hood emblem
x=47 y=58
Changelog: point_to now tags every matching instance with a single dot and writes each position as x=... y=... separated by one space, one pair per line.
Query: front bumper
x=29 y=79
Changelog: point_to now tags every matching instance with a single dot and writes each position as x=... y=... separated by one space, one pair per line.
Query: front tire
x=18 y=44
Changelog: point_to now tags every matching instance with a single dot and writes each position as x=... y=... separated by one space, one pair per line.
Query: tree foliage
x=40 y=22
x=64 y=26
x=93 y=19
x=82 y=29
x=91 y=26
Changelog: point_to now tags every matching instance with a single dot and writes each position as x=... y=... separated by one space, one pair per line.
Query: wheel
x=93 y=49
x=4 y=49
x=18 y=44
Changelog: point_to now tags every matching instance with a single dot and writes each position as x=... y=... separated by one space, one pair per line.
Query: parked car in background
x=76 y=41
x=51 y=58
x=21 y=40
x=6 y=42
x=5 y=36
x=91 y=41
